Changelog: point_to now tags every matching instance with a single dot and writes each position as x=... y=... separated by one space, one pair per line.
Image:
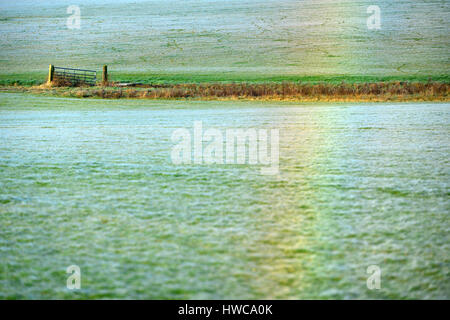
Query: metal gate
x=75 y=76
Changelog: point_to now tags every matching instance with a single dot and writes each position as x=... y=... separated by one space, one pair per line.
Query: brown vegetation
x=280 y=91
x=65 y=82
x=382 y=91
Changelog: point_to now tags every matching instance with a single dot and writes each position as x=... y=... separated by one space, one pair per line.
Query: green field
x=209 y=41
x=90 y=182
x=35 y=78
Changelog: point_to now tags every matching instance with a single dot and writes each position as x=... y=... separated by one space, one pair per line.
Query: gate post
x=51 y=71
x=105 y=75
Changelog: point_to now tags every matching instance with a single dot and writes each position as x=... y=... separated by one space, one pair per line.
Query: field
x=210 y=41
x=90 y=182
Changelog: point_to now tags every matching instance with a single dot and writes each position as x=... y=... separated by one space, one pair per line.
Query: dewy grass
x=244 y=38
x=378 y=91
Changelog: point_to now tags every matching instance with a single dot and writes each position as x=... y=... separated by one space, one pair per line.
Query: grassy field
x=227 y=41
x=90 y=182
x=37 y=78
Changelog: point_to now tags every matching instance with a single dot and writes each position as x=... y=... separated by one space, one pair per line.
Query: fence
x=74 y=76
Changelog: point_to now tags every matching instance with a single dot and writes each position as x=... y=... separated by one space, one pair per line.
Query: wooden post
x=51 y=72
x=105 y=75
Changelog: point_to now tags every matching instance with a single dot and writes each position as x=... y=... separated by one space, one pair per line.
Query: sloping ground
x=228 y=39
